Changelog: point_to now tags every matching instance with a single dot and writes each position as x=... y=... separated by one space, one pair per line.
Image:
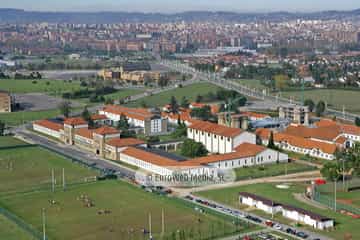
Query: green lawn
x=252 y=83
x=18 y=118
x=190 y=92
x=129 y=208
x=10 y=231
x=336 y=98
x=344 y=224
x=25 y=167
x=25 y=173
x=120 y=94
x=271 y=170
x=53 y=87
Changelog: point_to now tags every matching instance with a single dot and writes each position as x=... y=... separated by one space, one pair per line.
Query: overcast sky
x=180 y=5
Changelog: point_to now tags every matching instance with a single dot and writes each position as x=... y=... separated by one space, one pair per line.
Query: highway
x=218 y=80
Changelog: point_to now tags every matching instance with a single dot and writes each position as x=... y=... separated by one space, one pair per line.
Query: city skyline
x=185 y=5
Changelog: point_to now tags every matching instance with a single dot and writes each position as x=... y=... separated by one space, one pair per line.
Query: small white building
x=294 y=213
x=309 y=218
x=217 y=138
x=261 y=203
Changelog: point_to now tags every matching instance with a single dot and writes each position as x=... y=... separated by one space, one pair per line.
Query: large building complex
x=321 y=140
x=229 y=148
x=217 y=138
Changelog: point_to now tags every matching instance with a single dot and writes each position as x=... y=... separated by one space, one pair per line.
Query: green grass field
x=270 y=170
x=10 y=231
x=336 y=98
x=252 y=83
x=25 y=173
x=344 y=224
x=129 y=208
x=53 y=87
x=18 y=118
x=24 y=167
x=190 y=92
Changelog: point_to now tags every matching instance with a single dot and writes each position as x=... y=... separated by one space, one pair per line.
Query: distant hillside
x=21 y=16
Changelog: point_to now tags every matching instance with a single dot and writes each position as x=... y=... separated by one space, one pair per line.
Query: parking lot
x=38 y=101
x=292 y=232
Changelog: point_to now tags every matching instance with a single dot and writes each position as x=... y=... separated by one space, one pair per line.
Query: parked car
x=302 y=235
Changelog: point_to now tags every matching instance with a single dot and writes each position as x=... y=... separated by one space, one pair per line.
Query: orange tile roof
x=255 y=115
x=263 y=133
x=215 y=128
x=135 y=113
x=75 y=121
x=242 y=151
x=197 y=105
x=184 y=116
x=350 y=129
x=149 y=157
x=328 y=133
x=84 y=132
x=105 y=130
x=325 y=123
x=50 y=125
x=300 y=142
x=98 y=117
x=215 y=108
x=340 y=140
x=124 y=142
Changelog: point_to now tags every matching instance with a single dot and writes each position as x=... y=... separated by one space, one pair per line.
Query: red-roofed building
x=217 y=138
x=48 y=127
x=153 y=124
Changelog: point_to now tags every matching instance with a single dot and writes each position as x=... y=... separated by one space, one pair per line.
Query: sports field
x=24 y=167
x=94 y=210
x=230 y=196
x=190 y=92
x=127 y=213
x=10 y=231
x=53 y=87
x=336 y=98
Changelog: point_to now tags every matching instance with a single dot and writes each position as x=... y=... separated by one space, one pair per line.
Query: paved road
x=74 y=152
x=217 y=79
x=249 y=217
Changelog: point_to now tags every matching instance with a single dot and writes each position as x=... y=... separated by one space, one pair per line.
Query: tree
x=357 y=121
x=180 y=131
x=123 y=123
x=184 y=102
x=2 y=128
x=281 y=81
x=203 y=113
x=331 y=171
x=320 y=108
x=310 y=104
x=199 y=99
x=174 y=106
x=193 y=149
x=271 y=143
x=86 y=115
x=153 y=139
x=65 y=108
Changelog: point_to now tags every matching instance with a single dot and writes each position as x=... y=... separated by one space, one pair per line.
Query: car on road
x=302 y=235
x=277 y=227
x=291 y=231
